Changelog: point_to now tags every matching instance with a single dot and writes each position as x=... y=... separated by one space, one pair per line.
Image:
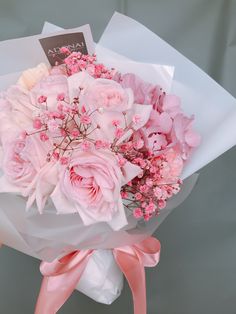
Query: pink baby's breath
x=119 y=132
x=75 y=133
x=138 y=144
x=101 y=144
x=85 y=145
x=56 y=155
x=61 y=97
x=138 y=212
x=85 y=119
x=37 y=124
x=43 y=137
x=115 y=123
x=65 y=50
x=53 y=125
x=138 y=196
x=83 y=109
x=64 y=160
x=150 y=208
x=42 y=99
x=124 y=194
x=161 y=204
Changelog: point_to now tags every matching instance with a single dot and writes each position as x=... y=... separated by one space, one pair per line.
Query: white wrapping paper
x=215 y=113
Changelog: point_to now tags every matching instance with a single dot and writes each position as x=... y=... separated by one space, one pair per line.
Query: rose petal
x=192 y=138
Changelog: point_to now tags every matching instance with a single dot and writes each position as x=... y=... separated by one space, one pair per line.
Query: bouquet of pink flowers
x=97 y=142
x=93 y=153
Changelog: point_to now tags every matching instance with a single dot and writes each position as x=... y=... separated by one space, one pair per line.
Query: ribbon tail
x=55 y=290
x=134 y=271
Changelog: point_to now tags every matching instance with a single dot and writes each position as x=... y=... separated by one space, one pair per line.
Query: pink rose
x=91 y=186
x=26 y=171
x=30 y=77
x=50 y=86
x=113 y=100
x=22 y=105
x=109 y=95
x=18 y=165
x=16 y=107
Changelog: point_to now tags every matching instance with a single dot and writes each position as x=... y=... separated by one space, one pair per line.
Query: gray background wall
x=197 y=272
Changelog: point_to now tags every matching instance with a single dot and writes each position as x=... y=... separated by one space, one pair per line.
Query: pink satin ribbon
x=62 y=276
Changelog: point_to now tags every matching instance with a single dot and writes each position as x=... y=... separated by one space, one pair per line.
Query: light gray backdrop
x=197 y=272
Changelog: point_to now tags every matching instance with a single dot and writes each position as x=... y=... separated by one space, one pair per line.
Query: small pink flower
x=139 y=144
x=45 y=115
x=101 y=144
x=153 y=169
x=63 y=132
x=119 y=132
x=161 y=204
x=144 y=204
x=115 y=123
x=53 y=126
x=85 y=119
x=54 y=115
x=37 y=124
x=61 y=97
x=146 y=217
x=83 y=109
x=56 y=155
x=91 y=69
x=75 y=133
x=150 y=208
x=42 y=99
x=138 y=213
x=157 y=192
x=157 y=142
x=86 y=145
x=176 y=188
x=124 y=194
x=65 y=50
x=138 y=196
x=43 y=137
x=141 y=162
x=64 y=160
x=144 y=188
x=122 y=161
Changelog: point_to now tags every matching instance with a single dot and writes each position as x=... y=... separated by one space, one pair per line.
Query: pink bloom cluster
x=76 y=62
x=96 y=142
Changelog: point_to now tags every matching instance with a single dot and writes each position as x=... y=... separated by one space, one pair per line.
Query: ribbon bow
x=62 y=276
